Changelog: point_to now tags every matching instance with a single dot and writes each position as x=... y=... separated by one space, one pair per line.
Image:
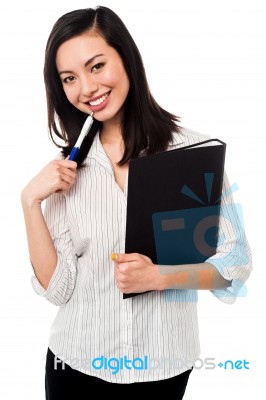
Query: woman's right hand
x=56 y=176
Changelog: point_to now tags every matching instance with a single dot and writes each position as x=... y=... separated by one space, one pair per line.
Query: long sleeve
x=233 y=257
x=63 y=280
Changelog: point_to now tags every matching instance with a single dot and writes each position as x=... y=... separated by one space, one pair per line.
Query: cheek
x=71 y=94
x=116 y=77
x=110 y=78
x=123 y=81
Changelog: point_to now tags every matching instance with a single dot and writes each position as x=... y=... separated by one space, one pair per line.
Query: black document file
x=173 y=204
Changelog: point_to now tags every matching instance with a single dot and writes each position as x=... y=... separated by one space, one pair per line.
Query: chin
x=115 y=118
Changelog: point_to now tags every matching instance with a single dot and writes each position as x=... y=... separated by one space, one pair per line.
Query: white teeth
x=99 y=101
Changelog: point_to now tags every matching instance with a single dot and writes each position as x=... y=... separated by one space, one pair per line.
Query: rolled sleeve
x=62 y=282
x=233 y=258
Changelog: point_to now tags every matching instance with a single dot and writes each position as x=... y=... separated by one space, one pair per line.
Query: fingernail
x=114 y=256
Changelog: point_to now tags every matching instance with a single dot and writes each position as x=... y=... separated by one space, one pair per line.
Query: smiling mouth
x=99 y=101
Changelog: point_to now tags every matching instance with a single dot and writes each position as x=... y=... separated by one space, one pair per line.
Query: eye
x=97 y=66
x=69 y=79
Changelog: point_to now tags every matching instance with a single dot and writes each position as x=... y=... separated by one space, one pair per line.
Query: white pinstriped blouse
x=150 y=337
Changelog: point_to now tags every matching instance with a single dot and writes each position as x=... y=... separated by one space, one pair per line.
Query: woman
x=77 y=246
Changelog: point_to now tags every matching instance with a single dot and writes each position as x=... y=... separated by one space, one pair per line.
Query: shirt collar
x=177 y=140
x=97 y=151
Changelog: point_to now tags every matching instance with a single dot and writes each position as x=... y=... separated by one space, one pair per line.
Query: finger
x=62 y=182
x=68 y=171
x=62 y=187
x=62 y=179
x=122 y=268
x=147 y=258
x=67 y=178
x=127 y=257
x=120 y=285
x=67 y=164
x=121 y=280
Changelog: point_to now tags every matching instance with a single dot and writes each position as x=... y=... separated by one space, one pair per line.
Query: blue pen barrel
x=73 y=153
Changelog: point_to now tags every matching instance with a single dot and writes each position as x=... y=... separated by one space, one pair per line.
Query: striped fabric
x=150 y=337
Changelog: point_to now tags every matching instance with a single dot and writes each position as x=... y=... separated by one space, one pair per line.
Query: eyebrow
x=90 y=60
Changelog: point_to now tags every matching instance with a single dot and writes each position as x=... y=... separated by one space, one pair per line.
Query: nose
x=88 y=85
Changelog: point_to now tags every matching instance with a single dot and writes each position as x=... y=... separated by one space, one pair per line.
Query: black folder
x=173 y=204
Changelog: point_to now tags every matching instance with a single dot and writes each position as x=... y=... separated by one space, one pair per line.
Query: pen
x=83 y=133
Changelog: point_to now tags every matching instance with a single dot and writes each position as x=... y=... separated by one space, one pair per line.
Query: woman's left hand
x=136 y=273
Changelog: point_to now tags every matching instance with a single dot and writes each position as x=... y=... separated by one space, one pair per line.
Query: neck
x=111 y=134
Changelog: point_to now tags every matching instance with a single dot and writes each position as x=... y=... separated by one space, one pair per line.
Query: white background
x=206 y=62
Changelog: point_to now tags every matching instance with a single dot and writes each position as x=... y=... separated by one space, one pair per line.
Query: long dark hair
x=146 y=127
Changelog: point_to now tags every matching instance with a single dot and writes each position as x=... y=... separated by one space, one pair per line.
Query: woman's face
x=93 y=76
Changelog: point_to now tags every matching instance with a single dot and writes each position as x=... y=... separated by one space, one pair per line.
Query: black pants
x=69 y=384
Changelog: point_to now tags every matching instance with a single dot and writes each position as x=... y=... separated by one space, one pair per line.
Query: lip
x=98 y=97
x=100 y=106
